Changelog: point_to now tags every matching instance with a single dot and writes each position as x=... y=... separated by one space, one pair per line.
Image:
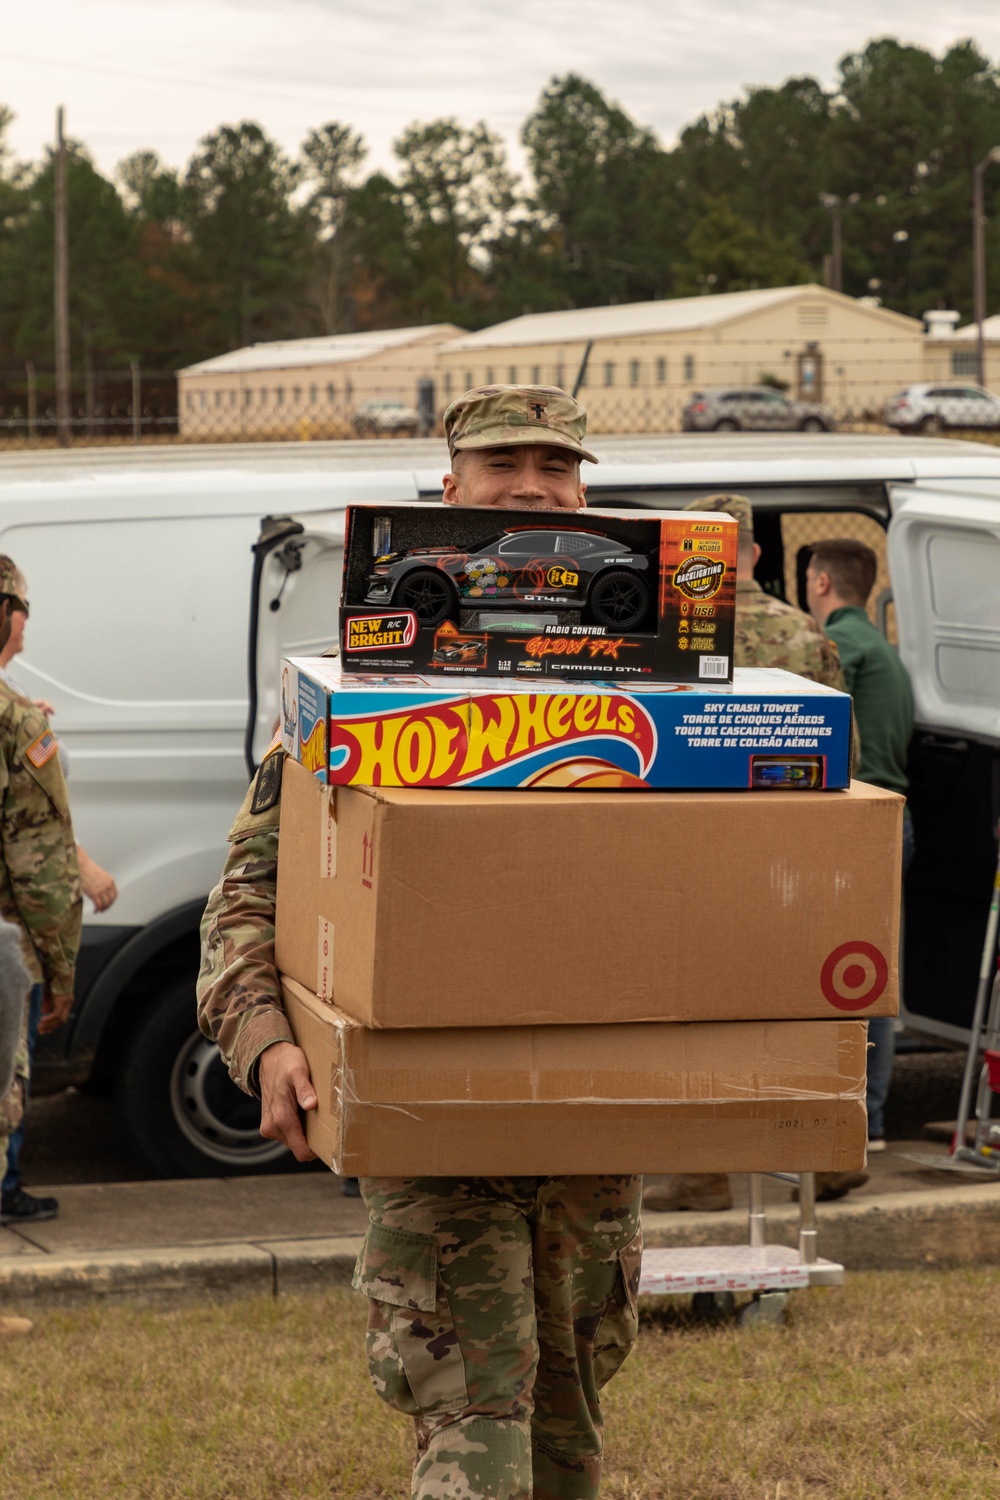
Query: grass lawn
x=885 y=1389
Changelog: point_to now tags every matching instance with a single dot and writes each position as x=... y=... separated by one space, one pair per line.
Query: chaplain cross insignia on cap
x=538 y=407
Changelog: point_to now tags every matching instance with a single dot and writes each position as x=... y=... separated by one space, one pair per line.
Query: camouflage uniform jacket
x=39 y=876
x=239 y=996
x=771 y=633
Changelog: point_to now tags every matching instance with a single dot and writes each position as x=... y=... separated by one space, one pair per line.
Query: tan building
x=310 y=388
x=951 y=354
x=647 y=358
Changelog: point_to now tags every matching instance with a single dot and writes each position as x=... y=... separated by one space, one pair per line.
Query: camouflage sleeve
x=39 y=850
x=239 y=994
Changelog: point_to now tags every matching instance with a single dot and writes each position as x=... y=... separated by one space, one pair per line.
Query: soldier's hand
x=55 y=1011
x=285 y=1088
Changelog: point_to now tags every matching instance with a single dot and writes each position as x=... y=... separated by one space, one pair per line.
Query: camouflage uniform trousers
x=12 y=1103
x=498 y=1308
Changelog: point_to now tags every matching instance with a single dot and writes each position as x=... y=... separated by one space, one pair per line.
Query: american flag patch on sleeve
x=42 y=749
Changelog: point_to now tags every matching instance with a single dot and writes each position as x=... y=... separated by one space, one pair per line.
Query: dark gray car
x=753 y=408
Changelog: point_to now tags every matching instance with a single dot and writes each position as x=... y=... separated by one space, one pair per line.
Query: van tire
x=179 y=1110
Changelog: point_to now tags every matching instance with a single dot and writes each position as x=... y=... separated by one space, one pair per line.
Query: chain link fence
x=630 y=385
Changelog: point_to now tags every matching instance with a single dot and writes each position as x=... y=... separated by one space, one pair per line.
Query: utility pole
x=979 y=259
x=63 y=423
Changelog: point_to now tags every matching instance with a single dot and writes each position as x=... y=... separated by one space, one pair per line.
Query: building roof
x=969 y=334
x=334 y=349
x=627 y=319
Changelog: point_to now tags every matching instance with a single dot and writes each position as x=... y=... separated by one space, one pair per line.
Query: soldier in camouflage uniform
x=39 y=881
x=498 y=1307
x=769 y=633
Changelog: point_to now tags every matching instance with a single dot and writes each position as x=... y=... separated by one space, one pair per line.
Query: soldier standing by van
x=497 y=1306
x=769 y=633
x=39 y=884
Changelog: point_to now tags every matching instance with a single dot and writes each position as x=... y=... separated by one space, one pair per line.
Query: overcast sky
x=163 y=73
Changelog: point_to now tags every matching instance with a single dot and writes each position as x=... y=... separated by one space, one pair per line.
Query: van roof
x=675 y=458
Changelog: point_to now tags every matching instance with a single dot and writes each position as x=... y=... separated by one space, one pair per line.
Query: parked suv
x=933 y=408
x=380 y=418
x=753 y=408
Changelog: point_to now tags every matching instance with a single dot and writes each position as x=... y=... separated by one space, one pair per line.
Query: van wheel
x=180 y=1110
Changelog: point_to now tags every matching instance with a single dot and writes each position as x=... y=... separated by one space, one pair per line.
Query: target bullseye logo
x=854 y=976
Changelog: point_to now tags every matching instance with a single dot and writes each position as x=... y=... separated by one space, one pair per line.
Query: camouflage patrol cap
x=10 y=582
x=737 y=506
x=501 y=416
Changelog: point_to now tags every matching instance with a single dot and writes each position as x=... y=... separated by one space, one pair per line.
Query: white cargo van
x=165 y=587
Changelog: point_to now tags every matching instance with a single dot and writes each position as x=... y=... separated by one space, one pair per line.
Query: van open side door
x=944 y=559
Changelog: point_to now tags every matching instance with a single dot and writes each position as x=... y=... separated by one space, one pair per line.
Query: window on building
x=348 y=390
x=247 y=397
x=262 y=397
x=447 y=385
x=218 y=399
x=512 y=375
x=202 y=400
x=331 y=391
x=189 y=401
x=609 y=372
x=963 y=362
x=279 y=396
x=233 y=398
x=581 y=378
x=489 y=376
x=313 y=394
x=561 y=375
x=689 y=367
x=634 y=372
x=296 y=395
x=469 y=382
x=661 y=370
x=536 y=374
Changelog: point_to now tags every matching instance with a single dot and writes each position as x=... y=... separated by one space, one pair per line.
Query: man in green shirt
x=839 y=579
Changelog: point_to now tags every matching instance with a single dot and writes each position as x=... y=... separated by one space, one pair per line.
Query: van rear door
x=944 y=558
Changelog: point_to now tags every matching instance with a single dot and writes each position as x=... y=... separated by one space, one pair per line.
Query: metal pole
x=837 y=269
x=979 y=267
x=63 y=422
x=136 y=402
x=581 y=373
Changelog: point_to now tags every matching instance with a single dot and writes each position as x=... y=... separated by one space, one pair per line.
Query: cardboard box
x=643 y=595
x=768 y=730
x=413 y=908
x=748 y=1096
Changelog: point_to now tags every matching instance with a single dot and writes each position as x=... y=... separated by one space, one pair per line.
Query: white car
x=934 y=408
x=380 y=418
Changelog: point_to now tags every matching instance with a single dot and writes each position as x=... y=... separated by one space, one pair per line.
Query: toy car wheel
x=727 y=424
x=428 y=593
x=619 y=600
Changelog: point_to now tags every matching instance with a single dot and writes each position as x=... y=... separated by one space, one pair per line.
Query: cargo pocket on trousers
x=414 y=1358
x=620 y=1323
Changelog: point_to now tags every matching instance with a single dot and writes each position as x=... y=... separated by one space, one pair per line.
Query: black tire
x=812 y=424
x=727 y=424
x=930 y=426
x=181 y=1113
x=618 y=600
x=428 y=593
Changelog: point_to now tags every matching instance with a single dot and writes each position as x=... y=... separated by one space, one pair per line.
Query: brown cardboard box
x=745 y=1096
x=412 y=907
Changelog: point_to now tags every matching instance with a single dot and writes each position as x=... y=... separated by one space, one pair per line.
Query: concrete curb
x=896 y=1231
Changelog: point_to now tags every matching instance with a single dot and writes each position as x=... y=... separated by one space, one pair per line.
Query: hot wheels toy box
x=767 y=730
x=576 y=595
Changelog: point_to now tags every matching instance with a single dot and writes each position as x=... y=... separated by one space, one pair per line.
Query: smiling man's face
x=518 y=476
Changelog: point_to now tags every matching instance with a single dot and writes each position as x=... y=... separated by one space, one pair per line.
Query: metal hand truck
x=713 y=1274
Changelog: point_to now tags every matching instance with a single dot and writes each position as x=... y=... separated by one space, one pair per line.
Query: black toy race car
x=523 y=566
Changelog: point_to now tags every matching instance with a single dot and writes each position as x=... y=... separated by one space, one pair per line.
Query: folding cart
x=712 y=1275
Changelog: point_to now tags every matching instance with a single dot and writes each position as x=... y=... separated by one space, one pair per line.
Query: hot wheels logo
x=446 y=744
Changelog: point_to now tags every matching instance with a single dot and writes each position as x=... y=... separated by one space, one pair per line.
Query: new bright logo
x=381 y=632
